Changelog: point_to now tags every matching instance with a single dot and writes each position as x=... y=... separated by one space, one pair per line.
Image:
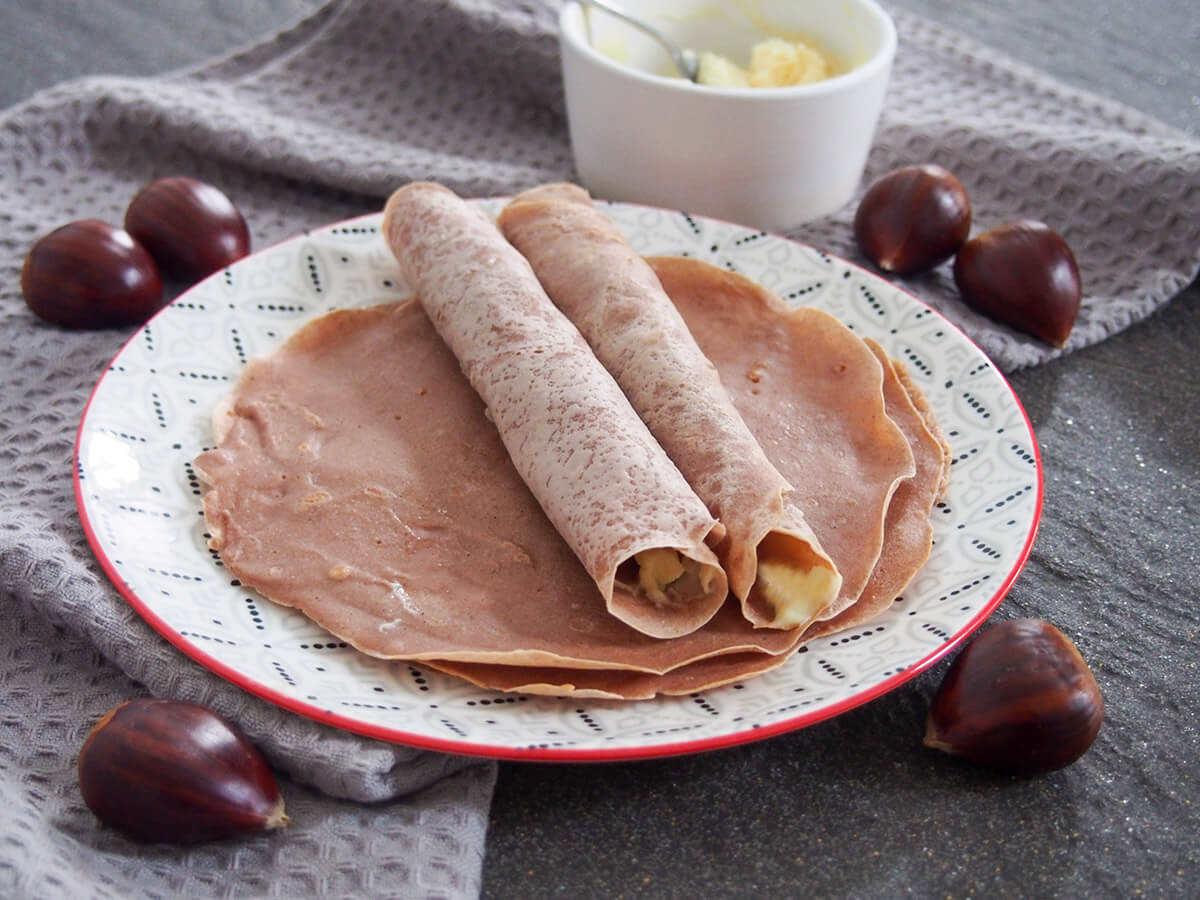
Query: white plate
x=139 y=499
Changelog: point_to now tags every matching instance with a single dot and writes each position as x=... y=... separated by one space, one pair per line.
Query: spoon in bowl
x=686 y=61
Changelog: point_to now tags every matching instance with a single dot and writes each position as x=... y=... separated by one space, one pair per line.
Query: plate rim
x=754 y=733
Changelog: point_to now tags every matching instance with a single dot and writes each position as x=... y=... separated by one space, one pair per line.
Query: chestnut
x=190 y=227
x=1024 y=275
x=912 y=219
x=1019 y=698
x=90 y=274
x=170 y=771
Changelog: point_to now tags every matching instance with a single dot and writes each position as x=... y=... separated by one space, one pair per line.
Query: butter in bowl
x=774 y=133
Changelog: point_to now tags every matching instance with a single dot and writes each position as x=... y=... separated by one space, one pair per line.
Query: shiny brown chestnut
x=90 y=274
x=1024 y=275
x=1019 y=698
x=190 y=227
x=169 y=771
x=912 y=219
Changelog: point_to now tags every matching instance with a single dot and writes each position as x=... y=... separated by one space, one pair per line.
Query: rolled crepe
x=812 y=392
x=775 y=564
x=619 y=502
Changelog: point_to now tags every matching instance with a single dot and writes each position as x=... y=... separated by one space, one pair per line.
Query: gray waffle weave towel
x=320 y=123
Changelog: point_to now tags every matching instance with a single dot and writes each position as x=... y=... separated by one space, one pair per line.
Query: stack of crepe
x=562 y=468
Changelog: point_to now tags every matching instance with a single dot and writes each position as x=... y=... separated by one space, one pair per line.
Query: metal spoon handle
x=685 y=60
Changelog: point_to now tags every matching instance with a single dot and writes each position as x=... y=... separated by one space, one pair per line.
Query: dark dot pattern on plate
x=812 y=288
x=934 y=629
x=283 y=672
x=314 y=274
x=749 y=239
x=856 y=636
x=1023 y=453
x=354 y=229
x=418 y=678
x=208 y=638
x=179 y=576
x=976 y=403
x=962 y=589
x=872 y=300
x=964 y=456
x=1015 y=495
x=142 y=511
x=831 y=669
x=289 y=308
x=985 y=549
x=125 y=436
x=239 y=348
x=204 y=376
x=159 y=413
x=917 y=362
x=255 y=615
x=587 y=720
x=705 y=705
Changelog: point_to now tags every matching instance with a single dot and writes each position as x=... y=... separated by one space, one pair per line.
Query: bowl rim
x=881 y=59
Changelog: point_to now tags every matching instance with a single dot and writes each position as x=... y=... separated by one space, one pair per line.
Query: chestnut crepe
x=598 y=473
x=359 y=480
x=812 y=394
x=379 y=499
x=775 y=563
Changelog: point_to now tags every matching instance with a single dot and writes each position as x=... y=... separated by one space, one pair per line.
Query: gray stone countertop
x=855 y=807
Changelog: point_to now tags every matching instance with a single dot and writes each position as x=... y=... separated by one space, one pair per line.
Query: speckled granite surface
x=854 y=807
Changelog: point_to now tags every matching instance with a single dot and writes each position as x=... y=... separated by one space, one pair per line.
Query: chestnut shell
x=190 y=227
x=1022 y=274
x=1019 y=698
x=170 y=771
x=90 y=274
x=912 y=219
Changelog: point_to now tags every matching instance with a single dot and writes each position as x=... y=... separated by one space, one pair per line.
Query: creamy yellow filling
x=774 y=62
x=797 y=595
x=657 y=568
x=660 y=568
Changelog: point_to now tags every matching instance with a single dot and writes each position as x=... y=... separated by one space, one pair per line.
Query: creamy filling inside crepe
x=602 y=479
x=775 y=563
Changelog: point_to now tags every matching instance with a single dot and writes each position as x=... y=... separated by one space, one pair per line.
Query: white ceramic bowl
x=770 y=158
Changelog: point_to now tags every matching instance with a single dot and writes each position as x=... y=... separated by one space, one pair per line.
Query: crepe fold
x=596 y=470
x=775 y=563
x=824 y=407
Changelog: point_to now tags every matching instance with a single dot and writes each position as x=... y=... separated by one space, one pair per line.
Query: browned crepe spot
x=600 y=476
